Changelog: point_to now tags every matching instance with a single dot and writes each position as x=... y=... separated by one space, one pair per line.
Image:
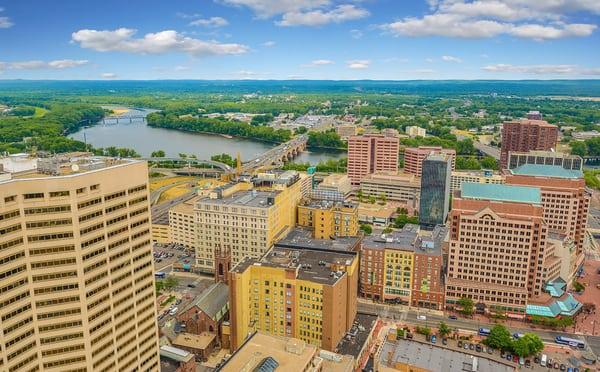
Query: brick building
x=525 y=135
x=414 y=156
x=371 y=153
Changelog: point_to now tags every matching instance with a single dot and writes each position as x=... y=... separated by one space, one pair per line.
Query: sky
x=299 y=39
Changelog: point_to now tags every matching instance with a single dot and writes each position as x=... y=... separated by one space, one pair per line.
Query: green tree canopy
x=527 y=345
x=158 y=154
x=466 y=305
x=499 y=338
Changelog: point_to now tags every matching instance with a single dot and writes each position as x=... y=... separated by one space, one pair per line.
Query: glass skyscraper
x=435 y=190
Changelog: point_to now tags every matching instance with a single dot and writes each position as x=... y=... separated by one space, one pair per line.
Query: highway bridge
x=113 y=120
x=278 y=155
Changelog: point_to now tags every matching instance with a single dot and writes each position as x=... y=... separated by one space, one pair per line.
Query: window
x=35 y=195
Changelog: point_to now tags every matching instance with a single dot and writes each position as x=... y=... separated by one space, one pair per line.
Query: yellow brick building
x=306 y=293
x=329 y=219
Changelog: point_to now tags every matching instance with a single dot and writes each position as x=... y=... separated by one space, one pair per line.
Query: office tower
x=328 y=219
x=485 y=176
x=414 y=157
x=565 y=198
x=243 y=220
x=435 y=190
x=526 y=135
x=371 y=153
x=404 y=266
x=302 y=290
x=567 y=161
x=497 y=247
x=77 y=290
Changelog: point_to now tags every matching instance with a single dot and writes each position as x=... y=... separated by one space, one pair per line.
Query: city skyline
x=340 y=40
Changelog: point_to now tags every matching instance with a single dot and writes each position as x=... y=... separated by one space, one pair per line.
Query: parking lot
x=167 y=255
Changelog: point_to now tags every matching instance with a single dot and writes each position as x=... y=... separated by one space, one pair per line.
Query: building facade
x=414 y=131
x=497 y=247
x=328 y=219
x=393 y=186
x=486 y=176
x=435 y=190
x=565 y=198
x=305 y=292
x=572 y=162
x=371 y=153
x=414 y=157
x=77 y=288
x=182 y=224
x=526 y=135
x=243 y=221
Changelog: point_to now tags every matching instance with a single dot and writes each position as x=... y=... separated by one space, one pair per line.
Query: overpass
x=278 y=155
x=482 y=148
x=188 y=162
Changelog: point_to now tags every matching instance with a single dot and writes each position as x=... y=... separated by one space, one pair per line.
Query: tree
x=489 y=162
x=301 y=130
x=158 y=154
x=426 y=331
x=578 y=148
x=444 y=330
x=466 y=305
x=527 y=345
x=367 y=229
x=499 y=338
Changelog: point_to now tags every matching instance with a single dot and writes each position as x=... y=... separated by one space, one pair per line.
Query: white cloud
x=39 y=65
x=269 y=44
x=320 y=17
x=429 y=60
x=109 y=75
x=5 y=22
x=356 y=34
x=542 y=69
x=451 y=59
x=538 y=20
x=180 y=68
x=359 y=64
x=319 y=62
x=212 y=22
x=122 y=40
x=424 y=71
x=269 y=8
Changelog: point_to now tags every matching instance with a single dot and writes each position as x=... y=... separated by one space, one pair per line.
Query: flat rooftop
x=300 y=238
x=434 y=358
x=250 y=198
x=190 y=340
x=410 y=238
x=354 y=340
x=310 y=264
x=508 y=193
x=290 y=354
x=327 y=204
x=542 y=170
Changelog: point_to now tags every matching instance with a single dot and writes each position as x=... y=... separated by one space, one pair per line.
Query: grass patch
x=156 y=174
x=591 y=178
x=39 y=112
x=168 y=300
x=155 y=185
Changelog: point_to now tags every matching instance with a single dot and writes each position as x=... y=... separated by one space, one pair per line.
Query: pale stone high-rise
x=77 y=283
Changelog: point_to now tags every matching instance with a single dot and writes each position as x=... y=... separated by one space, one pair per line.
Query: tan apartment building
x=497 y=247
x=77 y=290
x=394 y=186
x=458 y=177
x=306 y=292
x=182 y=224
x=328 y=219
x=565 y=198
x=244 y=221
x=415 y=131
x=414 y=156
x=371 y=153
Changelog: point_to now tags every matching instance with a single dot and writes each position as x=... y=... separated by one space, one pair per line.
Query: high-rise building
x=565 y=198
x=497 y=247
x=182 y=227
x=405 y=266
x=306 y=291
x=414 y=157
x=243 y=220
x=328 y=219
x=77 y=290
x=567 y=161
x=371 y=153
x=485 y=176
x=435 y=190
x=526 y=135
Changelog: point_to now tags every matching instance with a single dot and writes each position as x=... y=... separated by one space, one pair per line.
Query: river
x=144 y=139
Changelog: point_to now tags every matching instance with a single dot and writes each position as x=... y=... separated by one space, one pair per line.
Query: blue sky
x=299 y=39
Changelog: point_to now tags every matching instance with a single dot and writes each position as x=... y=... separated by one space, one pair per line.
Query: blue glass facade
x=435 y=191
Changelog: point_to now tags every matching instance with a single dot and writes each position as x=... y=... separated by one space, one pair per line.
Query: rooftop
x=174 y=353
x=541 y=170
x=193 y=341
x=251 y=198
x=212 y=300
x=327 y=204
x=508 y=193
x=299 y=238
x=541 y=123
x=435 y=358
x=410 y=238
x=354 y=340
x=291 y=354
x=311 y=264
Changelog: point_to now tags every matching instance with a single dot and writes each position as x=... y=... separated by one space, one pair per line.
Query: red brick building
x=208 y=311
x=371 y=153
x=526 y=135
x=414 y=156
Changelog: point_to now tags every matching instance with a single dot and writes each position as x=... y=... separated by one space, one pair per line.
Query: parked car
x=556 y=365
x=191 y=285
x=527 y=363
x=433 y=339
x=460 y=343
x=522 y=361
x=444 y=341
x=490 y=350
x=478 y=348
x=508 y=357
x=536 y=359
x=515 y=358
x=453 y=317
x=466 y=346
x=471 y=347
x=421 y=317
x=563 y=367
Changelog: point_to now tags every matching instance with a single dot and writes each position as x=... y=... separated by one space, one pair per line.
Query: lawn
x=157 y=184
x=39 y=112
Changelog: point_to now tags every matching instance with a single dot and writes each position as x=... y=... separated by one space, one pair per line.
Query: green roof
x=509 y=193
x=547 y=171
